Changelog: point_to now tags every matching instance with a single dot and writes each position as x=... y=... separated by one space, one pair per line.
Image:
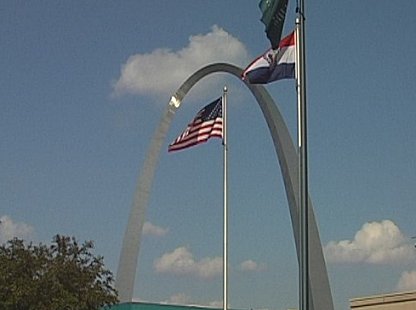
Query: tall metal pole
x=225 y=217
x=303 y=159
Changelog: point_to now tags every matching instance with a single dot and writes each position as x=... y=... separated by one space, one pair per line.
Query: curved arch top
x=320 y=292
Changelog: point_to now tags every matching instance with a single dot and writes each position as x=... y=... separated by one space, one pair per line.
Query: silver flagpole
x=303 y=159
x=225 y=217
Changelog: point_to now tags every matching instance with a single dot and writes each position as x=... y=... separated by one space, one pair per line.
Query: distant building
x=393 y=301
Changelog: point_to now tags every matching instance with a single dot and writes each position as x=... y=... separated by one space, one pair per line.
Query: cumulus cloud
x=216 y=304
x=150 y=229
x=182 y=262
x=250 y=265
x=407 y=281
x=376 y=243
x=179 y=299
x=163 y=70
x=10 y=229
x=183 y=299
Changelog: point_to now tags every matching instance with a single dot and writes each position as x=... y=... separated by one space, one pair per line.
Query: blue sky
x=83 y=85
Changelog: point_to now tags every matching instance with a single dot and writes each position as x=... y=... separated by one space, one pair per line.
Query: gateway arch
x=320 y=292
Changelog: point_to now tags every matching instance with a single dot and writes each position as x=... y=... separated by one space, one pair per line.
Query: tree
x=62 y=276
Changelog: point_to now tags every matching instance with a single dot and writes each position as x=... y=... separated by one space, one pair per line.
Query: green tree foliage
x=62 y=276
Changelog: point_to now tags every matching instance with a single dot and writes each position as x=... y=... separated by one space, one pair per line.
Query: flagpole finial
x=225 y=89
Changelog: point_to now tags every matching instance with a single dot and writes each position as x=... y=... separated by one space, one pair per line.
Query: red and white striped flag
x=206 y=124
x=273 y=65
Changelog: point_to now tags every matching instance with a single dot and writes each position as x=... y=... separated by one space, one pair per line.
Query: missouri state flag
x=273 y=65
x=206 y=124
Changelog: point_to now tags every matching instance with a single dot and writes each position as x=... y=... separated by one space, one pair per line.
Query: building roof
x=391 y=298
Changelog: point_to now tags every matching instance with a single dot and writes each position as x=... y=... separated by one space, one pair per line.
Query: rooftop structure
x=392 y=301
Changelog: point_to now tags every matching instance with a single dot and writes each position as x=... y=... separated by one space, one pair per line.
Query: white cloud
x=216 y=304
x=163 y=70
x=150 y=229
x=179 y=299
x=183 y=299
x=181 y=262
x=407 y=281
x=376 y=243
x=250 y=265
x=9 y=229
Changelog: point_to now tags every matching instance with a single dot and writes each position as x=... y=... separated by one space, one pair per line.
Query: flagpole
x=225 y=208
x=304 y=302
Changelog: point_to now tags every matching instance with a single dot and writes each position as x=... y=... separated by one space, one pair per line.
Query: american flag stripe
x=207 y=124
x=200 y=130
x=197 y=136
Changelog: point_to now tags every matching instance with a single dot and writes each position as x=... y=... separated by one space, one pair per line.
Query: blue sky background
x=84 y=83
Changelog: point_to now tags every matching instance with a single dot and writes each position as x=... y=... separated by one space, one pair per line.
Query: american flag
x=206 y=124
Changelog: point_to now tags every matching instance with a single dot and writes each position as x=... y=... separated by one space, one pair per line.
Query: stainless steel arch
x=321 y=297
